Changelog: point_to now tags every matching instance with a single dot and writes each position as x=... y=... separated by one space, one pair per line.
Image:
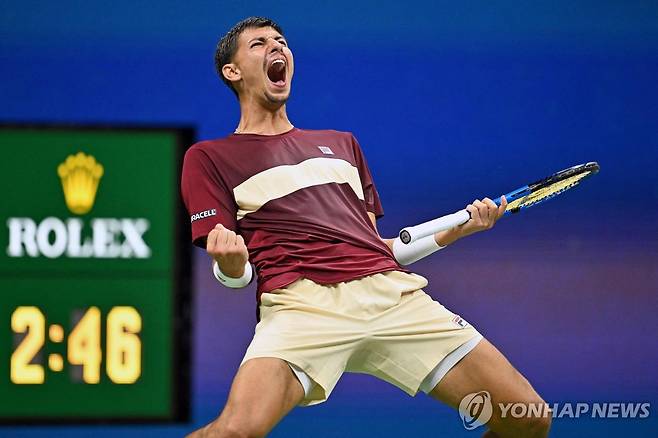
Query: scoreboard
x=94 y=275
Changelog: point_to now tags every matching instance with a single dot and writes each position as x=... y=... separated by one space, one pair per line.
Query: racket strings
x=545 y=193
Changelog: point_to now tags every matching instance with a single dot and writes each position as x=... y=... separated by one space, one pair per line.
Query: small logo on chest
x=326 y=150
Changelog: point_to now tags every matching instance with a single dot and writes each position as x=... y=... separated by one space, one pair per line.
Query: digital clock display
x=94 y=275
x=123 y=355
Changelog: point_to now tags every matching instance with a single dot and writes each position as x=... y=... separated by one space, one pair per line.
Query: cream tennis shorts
x=383 y=325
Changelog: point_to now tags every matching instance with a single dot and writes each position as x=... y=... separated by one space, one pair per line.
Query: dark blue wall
x=450 y=102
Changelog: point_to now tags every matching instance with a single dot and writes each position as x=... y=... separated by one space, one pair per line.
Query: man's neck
x=255 y=119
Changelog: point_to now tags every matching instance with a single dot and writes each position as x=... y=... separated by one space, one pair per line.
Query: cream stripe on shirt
x=279 y=181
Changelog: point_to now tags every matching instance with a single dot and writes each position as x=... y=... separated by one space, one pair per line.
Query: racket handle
x=411 y=234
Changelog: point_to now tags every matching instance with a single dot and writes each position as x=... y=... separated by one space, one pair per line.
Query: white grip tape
x=410 y=234
x=234 y=283
x=407 y=254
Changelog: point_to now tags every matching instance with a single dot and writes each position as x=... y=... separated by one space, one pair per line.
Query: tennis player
x=301 y=205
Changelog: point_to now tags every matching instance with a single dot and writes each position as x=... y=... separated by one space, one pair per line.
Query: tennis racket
x=517 y=200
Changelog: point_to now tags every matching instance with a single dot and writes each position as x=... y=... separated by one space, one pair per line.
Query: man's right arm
x=228 y=250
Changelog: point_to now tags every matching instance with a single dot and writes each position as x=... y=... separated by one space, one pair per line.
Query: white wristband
x=234 y=283
x=407 y=254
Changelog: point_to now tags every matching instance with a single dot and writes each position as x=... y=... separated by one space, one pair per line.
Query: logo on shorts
x=326 y=150
x=475 y=409
x=203 y=214
x=460 y=321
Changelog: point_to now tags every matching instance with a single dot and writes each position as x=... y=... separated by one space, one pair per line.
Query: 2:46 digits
x=123 y=361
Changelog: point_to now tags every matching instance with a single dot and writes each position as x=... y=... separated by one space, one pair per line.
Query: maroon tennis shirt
x=299 y=199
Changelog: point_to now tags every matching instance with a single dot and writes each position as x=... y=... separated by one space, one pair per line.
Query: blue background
x=450 y=102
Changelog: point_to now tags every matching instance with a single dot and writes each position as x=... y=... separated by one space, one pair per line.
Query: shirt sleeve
x=207 y=198
x=371 y=197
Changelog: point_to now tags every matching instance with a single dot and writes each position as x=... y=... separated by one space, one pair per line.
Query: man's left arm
x=484 y=215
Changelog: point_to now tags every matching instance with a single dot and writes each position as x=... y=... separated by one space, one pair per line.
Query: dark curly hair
x=228 y=44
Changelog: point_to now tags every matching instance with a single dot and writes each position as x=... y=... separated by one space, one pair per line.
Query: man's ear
x=231 y=72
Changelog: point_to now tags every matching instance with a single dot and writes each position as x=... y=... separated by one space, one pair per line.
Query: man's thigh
x=263 y=391
x=486 y=369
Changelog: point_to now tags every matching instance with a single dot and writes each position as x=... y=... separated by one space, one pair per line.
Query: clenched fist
x=228 y=250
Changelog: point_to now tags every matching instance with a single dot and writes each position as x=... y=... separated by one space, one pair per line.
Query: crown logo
x=80 y=175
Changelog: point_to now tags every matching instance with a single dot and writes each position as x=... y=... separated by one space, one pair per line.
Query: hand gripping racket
x=517 y=200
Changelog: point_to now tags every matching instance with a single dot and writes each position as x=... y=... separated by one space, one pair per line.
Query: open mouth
x=276 y=72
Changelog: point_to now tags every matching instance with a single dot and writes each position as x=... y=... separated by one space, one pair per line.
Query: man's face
x=265 y=65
